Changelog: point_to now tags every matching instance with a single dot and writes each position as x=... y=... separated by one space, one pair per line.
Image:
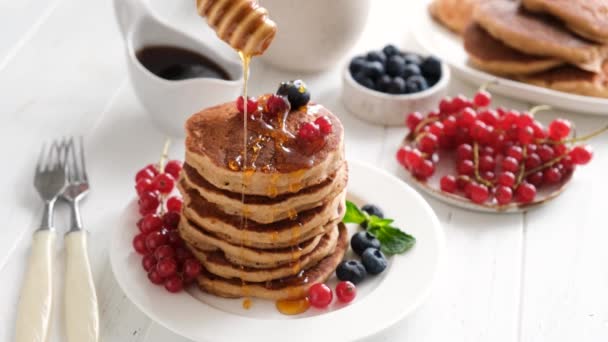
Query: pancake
x=492 y=55
x=209 y=219
x=242 y=255
x=285 y=288
x=217 y=264
x=572 y=80
x=588 y=18
x=453 y=14
x=263 y=209
x=538 y=35
x=214 y=144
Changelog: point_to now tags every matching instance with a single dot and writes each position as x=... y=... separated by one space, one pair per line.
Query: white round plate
x=381 y=301
x=448 y=46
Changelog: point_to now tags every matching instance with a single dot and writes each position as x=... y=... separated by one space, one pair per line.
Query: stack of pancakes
x=558 y=44
x=272 y=227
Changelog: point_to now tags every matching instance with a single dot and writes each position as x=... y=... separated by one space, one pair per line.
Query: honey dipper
x=243 y=24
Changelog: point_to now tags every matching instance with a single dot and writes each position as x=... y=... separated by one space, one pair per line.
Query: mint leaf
x=353 y=214
x=393 y=240
x=375 y=221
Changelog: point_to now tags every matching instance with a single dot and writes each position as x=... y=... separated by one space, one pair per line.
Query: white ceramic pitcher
x=170 y=103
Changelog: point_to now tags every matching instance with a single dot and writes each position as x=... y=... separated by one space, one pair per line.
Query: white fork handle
x=81 y=312
x=36 y=300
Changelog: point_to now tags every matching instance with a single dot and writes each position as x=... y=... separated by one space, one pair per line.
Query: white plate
x=380 y=302
x=448 y=46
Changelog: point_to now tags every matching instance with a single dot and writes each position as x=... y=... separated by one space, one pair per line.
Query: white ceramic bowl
x=389 y=109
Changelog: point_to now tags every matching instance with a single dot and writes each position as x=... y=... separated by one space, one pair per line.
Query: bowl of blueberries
x=382 y=86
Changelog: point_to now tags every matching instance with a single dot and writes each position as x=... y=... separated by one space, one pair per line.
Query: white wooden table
x=540 y=276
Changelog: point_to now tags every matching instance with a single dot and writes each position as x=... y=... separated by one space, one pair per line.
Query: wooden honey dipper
x=243 y=24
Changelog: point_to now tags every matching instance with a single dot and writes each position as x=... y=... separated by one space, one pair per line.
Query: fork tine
x=40 y=162
x=73 y=162
x=83 y=167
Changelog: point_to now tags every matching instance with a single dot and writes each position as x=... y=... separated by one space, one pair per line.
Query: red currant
x=325 y=125
x=166 y=267
x=428 y=143
x=171 y=219
x=546 y=153
x=402 y=153
x=552 y=175
x=467 y=117
x=413 y=159
x=425 y=169
x=413 y=119
x=503 y=194
x=525 y=135
x=465 y=167
x=480 y=131
x=515 y=152
x=533 y=161
x=252 y=105
x=506 y=178
x=174 y=204
x=164 y=183
x=449 y=126
x=482 y=98
x=151 y=223
x=445 y=106
x=148 y=202
x=489 y=117
x=448 y=183
x=173 y=167
x=182 y=254
x=192 y=268
x=139 y=244
x=174 y=238
x=536 y=179
x=464 y=151
x=560 y=149
x=144 y=173
x=143 y=185
x=581 y=155
x=487 y=163
x=153 y=168
x=479 y=193
x=346 y=291
x=309 y=131
x=525 y=193
x=174 y=284
x=164 y=252
x=148 y=262
x=488 y=175
x=436 y=128
x=510 y=164
x=155 y=240
x=524 y=120
x=277 y=104
x=559 y=129
x=154 y=277
x=320 y=295
x=460 y=102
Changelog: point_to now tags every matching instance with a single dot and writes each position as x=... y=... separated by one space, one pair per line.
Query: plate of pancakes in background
x=294 y=236
x=551 y=52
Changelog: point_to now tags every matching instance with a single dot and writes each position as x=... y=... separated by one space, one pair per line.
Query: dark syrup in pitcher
x=175 y=63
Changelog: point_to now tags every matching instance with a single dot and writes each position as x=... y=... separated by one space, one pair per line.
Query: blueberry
x=395 y=65
x=410 y=70
x=390 y=50
x=371 y=209
x=374 y=261
x=377 y=56
x=431 y=67
x=416 y=84
x=383 y=82
x=356 y=64
x=362 y=79
x=412 y=58
x=373 y=69
x=296 y=91
x=362 y=241
x=351 y=270
x=397 y=86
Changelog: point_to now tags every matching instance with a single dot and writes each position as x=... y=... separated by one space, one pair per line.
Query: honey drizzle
x=245 y=59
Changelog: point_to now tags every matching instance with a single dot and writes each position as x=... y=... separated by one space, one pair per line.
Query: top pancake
x=536 y=34
x=588 y=18
x=214 y=147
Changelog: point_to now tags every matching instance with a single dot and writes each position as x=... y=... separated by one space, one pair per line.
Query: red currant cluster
x=500 y=153
x=165 y=256
x=272 y=105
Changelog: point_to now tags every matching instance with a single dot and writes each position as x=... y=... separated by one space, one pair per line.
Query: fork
x=35 y=302
x=81 y=311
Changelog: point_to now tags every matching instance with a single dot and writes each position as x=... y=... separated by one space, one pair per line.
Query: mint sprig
x=392 y=239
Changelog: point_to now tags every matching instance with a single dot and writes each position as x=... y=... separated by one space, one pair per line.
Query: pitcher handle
x=128 y=12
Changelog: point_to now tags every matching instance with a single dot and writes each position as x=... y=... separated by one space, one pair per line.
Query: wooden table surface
x=539 y=276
